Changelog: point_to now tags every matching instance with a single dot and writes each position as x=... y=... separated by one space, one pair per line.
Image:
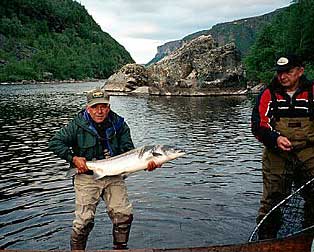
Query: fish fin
x=125 y=175
x=71 y=172
x=156 y=154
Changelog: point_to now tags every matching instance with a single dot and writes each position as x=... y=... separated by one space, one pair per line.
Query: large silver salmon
x=134 y=160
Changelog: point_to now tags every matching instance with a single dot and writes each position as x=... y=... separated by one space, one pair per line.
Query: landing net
x=291 y=212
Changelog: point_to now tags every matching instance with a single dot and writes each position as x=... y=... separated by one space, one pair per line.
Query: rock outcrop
x=199 y=67
x=128 y=78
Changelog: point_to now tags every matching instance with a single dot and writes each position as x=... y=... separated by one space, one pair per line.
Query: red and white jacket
x=274 y=103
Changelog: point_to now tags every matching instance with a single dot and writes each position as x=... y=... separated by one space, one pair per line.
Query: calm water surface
x=209 y=196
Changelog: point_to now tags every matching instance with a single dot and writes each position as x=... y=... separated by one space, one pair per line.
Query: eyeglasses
x=289 y=72
x=102 y=106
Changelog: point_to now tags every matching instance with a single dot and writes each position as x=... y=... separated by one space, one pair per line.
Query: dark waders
x=281 y=169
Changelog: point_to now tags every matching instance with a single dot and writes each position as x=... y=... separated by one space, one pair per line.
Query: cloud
x=140 y=25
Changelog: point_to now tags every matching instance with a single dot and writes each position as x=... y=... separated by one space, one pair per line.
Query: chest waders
x=88 y=193
x=282 y=168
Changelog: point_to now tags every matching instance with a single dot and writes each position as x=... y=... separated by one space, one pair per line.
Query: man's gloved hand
x=152 y=166
x=80 y=164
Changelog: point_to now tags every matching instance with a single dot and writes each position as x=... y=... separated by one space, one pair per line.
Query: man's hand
x=284 y=143
x=152 y=166
x=80 y=164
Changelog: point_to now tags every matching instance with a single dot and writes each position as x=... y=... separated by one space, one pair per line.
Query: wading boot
x=120 y=246
x=270 y=226
x=78 y=241
x=120 y=234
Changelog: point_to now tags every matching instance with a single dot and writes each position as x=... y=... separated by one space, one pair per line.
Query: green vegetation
x=54 y=40
x=290 y=32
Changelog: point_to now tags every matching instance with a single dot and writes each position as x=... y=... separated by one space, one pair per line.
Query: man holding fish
x=97 y=133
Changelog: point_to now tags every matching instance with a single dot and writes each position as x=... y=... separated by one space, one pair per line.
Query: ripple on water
x=209 y=196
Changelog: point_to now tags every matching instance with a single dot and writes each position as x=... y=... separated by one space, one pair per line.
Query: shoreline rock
x=33 y=82
x=146 y=90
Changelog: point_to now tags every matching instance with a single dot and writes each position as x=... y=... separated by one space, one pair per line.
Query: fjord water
x=209 y=196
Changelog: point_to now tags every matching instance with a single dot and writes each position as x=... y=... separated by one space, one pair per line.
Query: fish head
x=162 y=153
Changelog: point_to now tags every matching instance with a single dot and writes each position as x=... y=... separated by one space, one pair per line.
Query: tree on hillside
x=290 y=32
x=58 y=39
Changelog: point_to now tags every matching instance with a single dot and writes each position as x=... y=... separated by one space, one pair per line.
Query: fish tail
x=71 y=172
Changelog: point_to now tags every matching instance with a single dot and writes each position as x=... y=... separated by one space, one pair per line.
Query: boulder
x=128 y=78
x=199 y=67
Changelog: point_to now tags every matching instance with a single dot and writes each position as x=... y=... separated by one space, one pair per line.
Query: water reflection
x=210 y=196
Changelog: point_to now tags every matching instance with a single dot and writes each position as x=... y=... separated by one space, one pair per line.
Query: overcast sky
x=142 y=25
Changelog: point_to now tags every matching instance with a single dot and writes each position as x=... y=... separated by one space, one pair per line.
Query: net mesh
x=296 y=213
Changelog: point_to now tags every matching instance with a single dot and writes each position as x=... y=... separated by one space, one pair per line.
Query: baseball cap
x=97 y=96
x=286 y=62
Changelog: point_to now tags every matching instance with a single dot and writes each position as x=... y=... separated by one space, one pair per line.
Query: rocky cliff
x=199 y=67
x=242 y=32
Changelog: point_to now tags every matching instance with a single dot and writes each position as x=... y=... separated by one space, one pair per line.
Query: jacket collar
x=114 y=121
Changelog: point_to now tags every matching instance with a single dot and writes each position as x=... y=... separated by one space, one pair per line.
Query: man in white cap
x=97 y=133
x=283 y=120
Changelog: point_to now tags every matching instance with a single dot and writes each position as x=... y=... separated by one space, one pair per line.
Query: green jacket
x=80 y=138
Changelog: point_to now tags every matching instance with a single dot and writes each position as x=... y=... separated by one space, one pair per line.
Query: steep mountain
x=242 y=32
x=54 y=40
